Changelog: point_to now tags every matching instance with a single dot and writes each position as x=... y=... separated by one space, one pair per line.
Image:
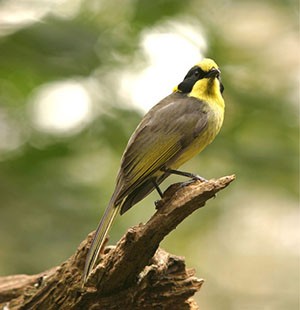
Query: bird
x=172 y=132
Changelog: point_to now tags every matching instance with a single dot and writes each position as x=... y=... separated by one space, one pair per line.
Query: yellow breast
x=215 y=116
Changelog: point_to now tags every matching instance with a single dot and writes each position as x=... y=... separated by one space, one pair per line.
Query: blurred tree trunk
x=135 y=274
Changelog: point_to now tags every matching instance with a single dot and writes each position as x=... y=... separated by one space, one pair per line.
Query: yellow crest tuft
x=207 y=64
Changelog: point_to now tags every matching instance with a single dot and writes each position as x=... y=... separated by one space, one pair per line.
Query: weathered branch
x=135 y=274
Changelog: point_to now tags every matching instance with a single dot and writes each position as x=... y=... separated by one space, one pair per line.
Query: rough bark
x=134 y=274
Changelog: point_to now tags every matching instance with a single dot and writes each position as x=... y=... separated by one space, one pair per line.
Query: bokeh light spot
x=61 y=107
x=170 y=53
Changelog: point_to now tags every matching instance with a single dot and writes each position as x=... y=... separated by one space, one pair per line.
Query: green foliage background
x=54 y=187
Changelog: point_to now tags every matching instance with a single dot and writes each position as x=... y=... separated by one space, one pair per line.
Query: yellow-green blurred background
x=76 y=76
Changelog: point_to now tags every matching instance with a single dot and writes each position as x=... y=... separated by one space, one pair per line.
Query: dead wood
x=135 y=274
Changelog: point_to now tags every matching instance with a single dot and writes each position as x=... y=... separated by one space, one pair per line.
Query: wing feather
x=161 y=136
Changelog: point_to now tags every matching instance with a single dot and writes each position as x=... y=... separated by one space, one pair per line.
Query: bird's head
x=203 y=79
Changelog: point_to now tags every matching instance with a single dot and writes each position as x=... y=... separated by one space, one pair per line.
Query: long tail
x=99 y=238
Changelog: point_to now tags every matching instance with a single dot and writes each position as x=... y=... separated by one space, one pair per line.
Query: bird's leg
x=157 y=188
x=157 y=203
x=185 y=174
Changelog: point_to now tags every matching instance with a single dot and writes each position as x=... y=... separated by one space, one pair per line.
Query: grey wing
x=161 y=136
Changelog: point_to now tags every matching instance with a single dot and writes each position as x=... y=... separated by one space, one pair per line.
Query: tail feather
x=99 y=238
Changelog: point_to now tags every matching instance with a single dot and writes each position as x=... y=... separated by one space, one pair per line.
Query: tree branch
x=135 y=274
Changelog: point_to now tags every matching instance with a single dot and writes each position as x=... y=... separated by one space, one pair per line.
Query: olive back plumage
x=159 y=140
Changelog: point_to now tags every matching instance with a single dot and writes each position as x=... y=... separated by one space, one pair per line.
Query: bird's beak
x=214 y=73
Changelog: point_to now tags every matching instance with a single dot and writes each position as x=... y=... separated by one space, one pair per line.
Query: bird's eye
x=197 y=73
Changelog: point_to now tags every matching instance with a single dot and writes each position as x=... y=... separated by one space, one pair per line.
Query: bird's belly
x=200 y=142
